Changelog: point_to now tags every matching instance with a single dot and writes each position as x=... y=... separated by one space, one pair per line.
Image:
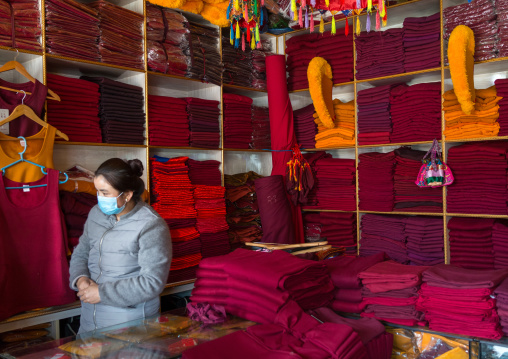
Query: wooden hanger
x=28 y=112
x=276 y=246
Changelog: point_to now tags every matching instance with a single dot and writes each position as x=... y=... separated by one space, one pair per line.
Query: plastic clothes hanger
x=22 y=159
x=28 y=112
x=15 y=65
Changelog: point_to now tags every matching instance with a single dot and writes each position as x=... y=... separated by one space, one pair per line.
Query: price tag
x=3 y=115
x=25 y=188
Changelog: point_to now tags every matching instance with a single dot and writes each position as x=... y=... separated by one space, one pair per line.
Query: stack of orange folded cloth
x=343 y=132
x=482 y=122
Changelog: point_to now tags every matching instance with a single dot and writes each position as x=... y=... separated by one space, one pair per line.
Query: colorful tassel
x=231 y=35
x=321 y=25
x=295 y=18
x=259 y=45
x=237 y=30
x=228 y=11
x=261 y=17
x=368 y=23
x=304 y=3
x=358 y=4
x=313 y=3
x=255 y=8
x=384 y=20
x=293 y=6
x=258 y=38
x=369 y=5
x=327 y=2
x=291 y=14
x=382 y=7
x=243 y=42
x=252 y=43
x=312 y=23
x=245 y=13
x=248 y=33
x=358 y=26
x=346 y=29
x=262 y=2
x=300 y=17
x=378 y=22
x=306 y=17
x=237 y=43
x=237 y=5
x=334 y=29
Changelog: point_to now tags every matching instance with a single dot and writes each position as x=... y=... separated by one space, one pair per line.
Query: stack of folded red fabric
x=75 y=207
x=261 y=136
x=374 y=121
x=25 y=16
x=416 y=112
x=425 y=241
x=72 y=30
x=121 y=36
x=344 y=272
x=501 y=293
x=305 y=127
x=408 y=196
x=205 y=173
x=168 y=123
x=500 y=244
x=336 y=50
x=458 y=300
x=77 y=115
x=373 y=334
x=205 y=63
x=384 y=234
x=375 y=181
x=379 y=53
x=471 y=242
x=390 y=293
x=490 y=169
x=502 y=91
x=237 y=121
x=339 y=229
x=186 y=243
x=422 y=45
x=204 y=122
x=236 y=282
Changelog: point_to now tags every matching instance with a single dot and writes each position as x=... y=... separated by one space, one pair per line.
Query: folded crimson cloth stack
x=344 y=272
x=471 y=242
x=416 y=112
x=25 y=16
x=237 y=121
x=490 y=169
x=479 y=16
x=373 y=334
x=235 y=281
x=261 y=136
x=72 y=29
x=305 y=127
x=502 y=91
x=121 y=111
x=500 y=244
x=425 y=240
x=121 y=37
x=375 y=181
x=186 y=250
x=458 y=300
x=422 y=45
x=168 y=123
x=379 y=53
x=258 y=77
x=75 y=207
x=384 y=234
x=408 y=196
x=205 y=54
x=336 y=50
x=374 y=121
x=339 y=229
x=167 y=34
x=204 y=122
x=77 y=115
x=390 y=293
x=205 y=173
x=502 y=25
x=501 y=293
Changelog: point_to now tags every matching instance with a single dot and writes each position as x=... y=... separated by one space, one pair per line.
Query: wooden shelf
x=326 y=210
x=185 y=148
x=327 y=149
x=500 y=216
x=22 y=51
x=244 y=150
x=160 y=74
x=336 y=85
x=243 y=88
x=478 y=139
x=404 y=213
x=404 y=74
x=95 y=63
x=97 y=144
x=397 y=144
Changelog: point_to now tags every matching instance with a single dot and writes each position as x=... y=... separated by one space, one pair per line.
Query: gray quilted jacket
x=130 y=261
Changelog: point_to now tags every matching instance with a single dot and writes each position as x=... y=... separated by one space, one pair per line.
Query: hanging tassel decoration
x=291 y=14
x=334 y=29
x=261 y=17
x=384 y=19
x=327 y=2
x=258 y=38
x=300 y=18
x=304 y=3
x=378 y=22
x=252 y=42
x=237 y=30
x=321 y=25
x=243 y=42
x=228 y=11
x=231 y=35
x=259 y=45
x=262 y=2
x=248 y=33
x=358 y=4
x=368 y=23
x=369 y=5
x=255 y=10
x=346 y=29
x=311 y=22
x=358 y=26
x=382 y=7
x=237 y=5
x=295 y=18
x=293 y=6
x=306 y=17
x=245 y=13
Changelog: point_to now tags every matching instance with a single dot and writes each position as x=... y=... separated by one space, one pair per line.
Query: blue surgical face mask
x=109 y=205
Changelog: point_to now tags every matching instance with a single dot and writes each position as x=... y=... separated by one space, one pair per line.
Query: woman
x=121 y=263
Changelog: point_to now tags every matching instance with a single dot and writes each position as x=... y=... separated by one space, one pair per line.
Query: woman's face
x=105 y=189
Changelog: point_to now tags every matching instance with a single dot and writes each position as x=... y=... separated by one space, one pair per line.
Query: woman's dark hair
x=123 y=175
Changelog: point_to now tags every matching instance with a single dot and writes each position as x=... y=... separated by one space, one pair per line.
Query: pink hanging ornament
x=378 y=21
x=243 y=42
x=300 y=18
x=311 y=22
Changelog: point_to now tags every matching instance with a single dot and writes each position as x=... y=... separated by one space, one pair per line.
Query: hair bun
x=136 y=166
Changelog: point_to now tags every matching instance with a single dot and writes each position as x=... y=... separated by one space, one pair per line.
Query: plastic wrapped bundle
x=165 y=24
x=261 y=136
x=72 y=30
x=25 y=16
x=206 y=58
x=502 y=26
x=121 y=37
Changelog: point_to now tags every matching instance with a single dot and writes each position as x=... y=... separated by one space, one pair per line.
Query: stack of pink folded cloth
x=390 y=293
x=458 y=300
x=500 y=244
x=501 y=293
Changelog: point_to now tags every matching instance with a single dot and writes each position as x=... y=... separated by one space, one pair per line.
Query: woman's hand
x=90 y=294
x=83 y=283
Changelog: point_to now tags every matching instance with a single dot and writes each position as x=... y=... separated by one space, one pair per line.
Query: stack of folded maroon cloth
x=186 y=248
x=258 y=75
x=344 y=273
x=121 y=37
x=408 y=196
x=500 y=244
x=379 y=53
x=336 y=50
x=479 y=16
x=75 y=207
x=236 y=282
x=384 y=234
x=465 y=195
x=25 y=16
x=237 y=121
x=425 y=240
x=375 y=181
x=77 y=115
x=168 y=123
x=373 y=334
x=204 y=122
x=261 y=135
x=502 y=91
x=502 y=25
x=501 y=293
x=305 y=127
x=205 y=173
x=167 y=34
x=72 y=30
x=458 y=300
x=339 y=229
x=390 y=293
x=205 y=64
x=374 y=121
x=422 y=45
x=416 y=112
x=471 y=242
